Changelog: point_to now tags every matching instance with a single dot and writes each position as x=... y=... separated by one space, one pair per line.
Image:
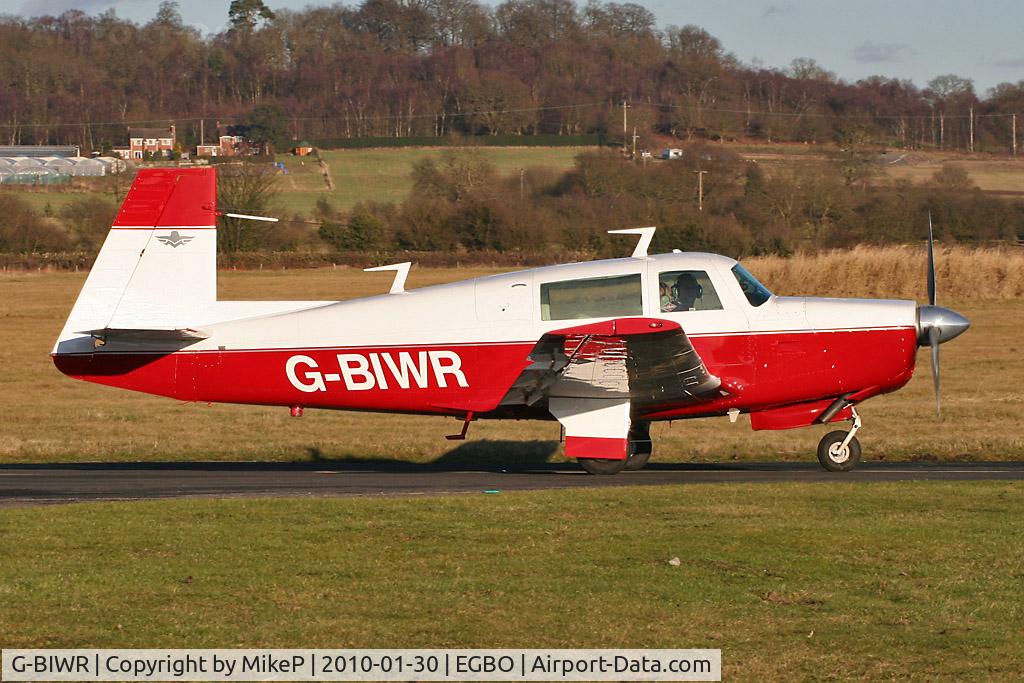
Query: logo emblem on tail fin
x=175 y=239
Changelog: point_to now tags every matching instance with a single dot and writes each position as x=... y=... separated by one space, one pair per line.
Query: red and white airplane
x=606 y=348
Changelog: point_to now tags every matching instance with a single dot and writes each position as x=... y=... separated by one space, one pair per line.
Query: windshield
x=755 y=292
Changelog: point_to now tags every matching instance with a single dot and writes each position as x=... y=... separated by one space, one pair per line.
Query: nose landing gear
x=840 y=451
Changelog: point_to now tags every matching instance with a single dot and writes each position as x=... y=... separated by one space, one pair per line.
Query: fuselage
x=457 y=348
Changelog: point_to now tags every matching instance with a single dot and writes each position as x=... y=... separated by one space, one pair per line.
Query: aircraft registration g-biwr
x=605 y=348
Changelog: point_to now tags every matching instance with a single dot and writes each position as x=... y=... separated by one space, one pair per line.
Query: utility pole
x=635 y=136
x=625 y=125
x=522 y=182
x=202 y=136
x=1014 y=133
x=971 y=110
x=700 y=189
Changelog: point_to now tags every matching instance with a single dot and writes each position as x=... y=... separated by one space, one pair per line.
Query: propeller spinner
x=935 y=324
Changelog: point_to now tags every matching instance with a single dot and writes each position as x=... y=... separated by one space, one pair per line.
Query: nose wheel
x=840 y=451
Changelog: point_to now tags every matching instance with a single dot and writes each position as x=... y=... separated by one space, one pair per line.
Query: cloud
x=778 y=10
x=1009 y=63
x=37 y=8
x=870 y=53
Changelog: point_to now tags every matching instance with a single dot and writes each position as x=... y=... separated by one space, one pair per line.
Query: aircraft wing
x=647 y=361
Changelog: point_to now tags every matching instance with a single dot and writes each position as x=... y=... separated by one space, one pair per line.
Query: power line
x=872 y=117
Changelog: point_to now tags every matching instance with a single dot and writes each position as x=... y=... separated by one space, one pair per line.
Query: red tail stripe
x=165 y=197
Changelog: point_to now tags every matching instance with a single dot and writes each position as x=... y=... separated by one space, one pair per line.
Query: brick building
x=156 y=141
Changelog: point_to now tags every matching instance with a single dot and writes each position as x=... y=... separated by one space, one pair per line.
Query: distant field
x=51 y=417
x=1001 y=174
x=384 y=174
x=991 y=175
x=840 y=581
x=55 y=198
x=359 y=175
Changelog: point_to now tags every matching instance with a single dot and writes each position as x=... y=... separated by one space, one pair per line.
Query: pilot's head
x=688 y=290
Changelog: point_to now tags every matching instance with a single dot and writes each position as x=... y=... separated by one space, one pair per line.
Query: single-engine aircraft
x=605 y=348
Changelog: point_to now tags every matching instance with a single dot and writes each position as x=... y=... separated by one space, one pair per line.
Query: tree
x=265 y=125
x=458 y=22
x=854 y=158
x=496 y=104
x=953 y=178
x=944 y=92
x=532 y=23
x=460 y=176
x=396 y=25
x=168 y=15
x=245 y=15
x=618 y=19
x=244 y=188
x=23 y=231
x=806 y=69
x=89 y=220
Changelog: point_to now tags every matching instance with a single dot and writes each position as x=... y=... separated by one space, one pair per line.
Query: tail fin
x=158 y=265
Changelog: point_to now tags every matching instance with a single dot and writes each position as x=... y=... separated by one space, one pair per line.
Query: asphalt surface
x=67 y=483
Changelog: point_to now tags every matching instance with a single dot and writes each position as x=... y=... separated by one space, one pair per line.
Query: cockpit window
x=687 y=290
x=755 y=292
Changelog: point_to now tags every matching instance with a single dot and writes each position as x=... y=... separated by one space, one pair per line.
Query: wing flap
x=146 y=335
x=647 y=361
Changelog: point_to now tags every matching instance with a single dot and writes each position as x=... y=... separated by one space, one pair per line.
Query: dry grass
x=50 y=417
x=991 y=175
x=962 y=273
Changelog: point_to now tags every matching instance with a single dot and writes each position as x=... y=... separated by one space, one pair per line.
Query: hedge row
x=76 y=261
x=593 y=140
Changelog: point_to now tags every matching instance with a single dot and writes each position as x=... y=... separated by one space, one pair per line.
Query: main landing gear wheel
x=836 y=454
x=640 y=447
x=602 y=466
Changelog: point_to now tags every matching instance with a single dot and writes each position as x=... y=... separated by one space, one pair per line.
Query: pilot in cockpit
x=684 y=294
x=687 y=291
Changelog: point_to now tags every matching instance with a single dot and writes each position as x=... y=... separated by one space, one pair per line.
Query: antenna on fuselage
x=646 y=235
x=401 y=272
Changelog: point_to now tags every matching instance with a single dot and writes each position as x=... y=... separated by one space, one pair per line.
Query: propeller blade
x=933 y=341
x=931 y=262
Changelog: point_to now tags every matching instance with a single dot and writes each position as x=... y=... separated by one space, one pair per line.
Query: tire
x=602 y=466
x=640 y=447
x=832 y=459
x=637 y=461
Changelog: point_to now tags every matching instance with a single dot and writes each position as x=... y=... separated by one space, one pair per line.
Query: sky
x=907 y=39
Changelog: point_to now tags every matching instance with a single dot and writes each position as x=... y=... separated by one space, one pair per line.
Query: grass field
x=383 y=175
x=56 y=199
x=793 y=582
x=51 y=417
x=991 y=173
x=829 y=581
x=358 y=175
